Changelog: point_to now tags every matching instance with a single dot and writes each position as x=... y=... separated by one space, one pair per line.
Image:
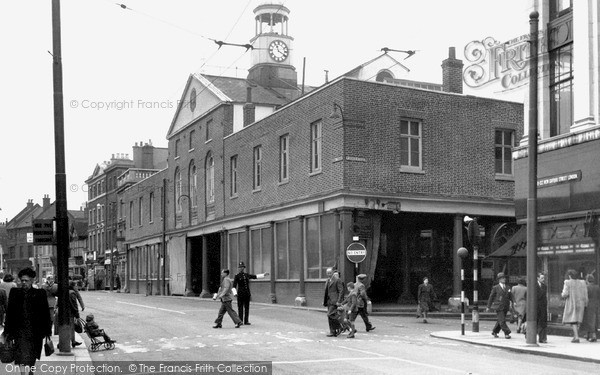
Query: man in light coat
x=225 y=295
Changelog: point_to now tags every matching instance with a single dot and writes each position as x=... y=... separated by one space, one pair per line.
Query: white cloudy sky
x=146 y=54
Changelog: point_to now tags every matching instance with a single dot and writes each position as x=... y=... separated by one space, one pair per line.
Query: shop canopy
x=516 y=246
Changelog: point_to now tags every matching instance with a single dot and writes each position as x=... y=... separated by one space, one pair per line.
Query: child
x=92 y=327
x=349 y=310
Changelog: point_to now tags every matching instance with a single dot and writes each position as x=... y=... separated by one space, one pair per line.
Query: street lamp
x=462 y=253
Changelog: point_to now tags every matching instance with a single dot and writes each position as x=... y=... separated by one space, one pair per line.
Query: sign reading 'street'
x=356 y=252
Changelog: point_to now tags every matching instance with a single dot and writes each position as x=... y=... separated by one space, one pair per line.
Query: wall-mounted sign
x=559 y=179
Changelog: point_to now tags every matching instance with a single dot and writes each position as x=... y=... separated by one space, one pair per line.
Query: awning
x=516 y=246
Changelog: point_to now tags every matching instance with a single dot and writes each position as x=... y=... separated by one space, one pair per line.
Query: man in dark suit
x=334 y=294
x=542 y=307
x=241 y=282
x=500 y=299
x=27 y=319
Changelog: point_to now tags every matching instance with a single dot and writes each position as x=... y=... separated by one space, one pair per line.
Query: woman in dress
x=591 y=316
x=27 y=320
x=425 y=296
x=575 y=292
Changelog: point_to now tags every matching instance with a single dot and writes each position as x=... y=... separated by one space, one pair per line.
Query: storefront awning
x=516 y=246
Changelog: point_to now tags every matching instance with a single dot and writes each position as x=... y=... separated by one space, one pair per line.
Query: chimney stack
x=249 y=108
x=452 y=79
x=46 y=201
x=29 y=203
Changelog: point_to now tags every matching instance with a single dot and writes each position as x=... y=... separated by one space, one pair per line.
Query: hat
x=241 y=265
x=501 y=275
x=89 y=317
x=362 y=276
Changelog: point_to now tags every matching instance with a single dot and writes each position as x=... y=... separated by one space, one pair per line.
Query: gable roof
x=213 y=91
x=381 y=62
x=23 y=218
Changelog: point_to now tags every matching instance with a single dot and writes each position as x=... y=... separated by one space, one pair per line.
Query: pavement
x=78 y=362
x=557 y=346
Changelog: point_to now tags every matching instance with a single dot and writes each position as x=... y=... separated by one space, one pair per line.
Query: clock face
x=278 y=50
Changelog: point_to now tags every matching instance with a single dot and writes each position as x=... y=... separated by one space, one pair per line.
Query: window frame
x=209 y=179
x=257 y=168
x=284 y=158
x=316 y=147
x=409 y=167
x=504 y=149
x=233 y=176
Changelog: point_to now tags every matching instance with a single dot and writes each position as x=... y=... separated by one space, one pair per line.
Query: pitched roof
x=23 y=218
x=236 y=90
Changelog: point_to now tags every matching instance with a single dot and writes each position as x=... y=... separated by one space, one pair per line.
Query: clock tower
x=272 y=54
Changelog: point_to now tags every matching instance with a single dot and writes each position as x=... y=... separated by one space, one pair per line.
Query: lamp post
x=462 y=253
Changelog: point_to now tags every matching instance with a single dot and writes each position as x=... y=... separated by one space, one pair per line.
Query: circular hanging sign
x=356 y=252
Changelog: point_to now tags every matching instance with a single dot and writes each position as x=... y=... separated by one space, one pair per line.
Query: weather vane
x=409 y=52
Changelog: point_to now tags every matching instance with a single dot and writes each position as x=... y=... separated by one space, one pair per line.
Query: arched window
x=192 y=183
x=383 y=76
x=178 y=186
x=210 y=179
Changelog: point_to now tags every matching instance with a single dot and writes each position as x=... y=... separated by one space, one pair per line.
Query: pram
x=98 y=342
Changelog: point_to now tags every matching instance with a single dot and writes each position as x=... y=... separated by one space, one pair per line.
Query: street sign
x=30 y=237
x=356 y=252
x=43 y=232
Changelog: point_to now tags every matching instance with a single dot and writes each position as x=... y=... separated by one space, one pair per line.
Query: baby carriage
x=98 y=337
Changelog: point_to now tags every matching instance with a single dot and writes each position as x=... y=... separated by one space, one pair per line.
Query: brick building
x=568 y=122
x=257 y=174
x=106 y=256
x=19 y=249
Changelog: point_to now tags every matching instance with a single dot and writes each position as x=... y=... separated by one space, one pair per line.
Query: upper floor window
x=315 y=147
x=192 y=184
x=209 y=124
x=561 y=89
x=131 y=214
x=192 y=136
x=210 y=179
x=178 y=190
x=257 y=170
x=177 y=148
x=284 y=158
x=151 y=207
x=504 y=141
x=560 y=7
x=233 y=166
x=141 y=211
x=410 y=144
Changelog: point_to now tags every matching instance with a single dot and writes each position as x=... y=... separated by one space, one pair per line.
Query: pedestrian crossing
x=259 y=338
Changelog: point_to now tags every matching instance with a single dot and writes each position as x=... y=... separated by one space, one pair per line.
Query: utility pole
x=62 y=221
x=531 y=335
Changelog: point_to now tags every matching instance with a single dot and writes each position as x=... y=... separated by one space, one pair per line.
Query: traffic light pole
x=62 y=221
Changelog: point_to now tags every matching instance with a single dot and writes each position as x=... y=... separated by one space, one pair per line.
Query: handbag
x=78 y=325
x=48 y=347
x=7 y=351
